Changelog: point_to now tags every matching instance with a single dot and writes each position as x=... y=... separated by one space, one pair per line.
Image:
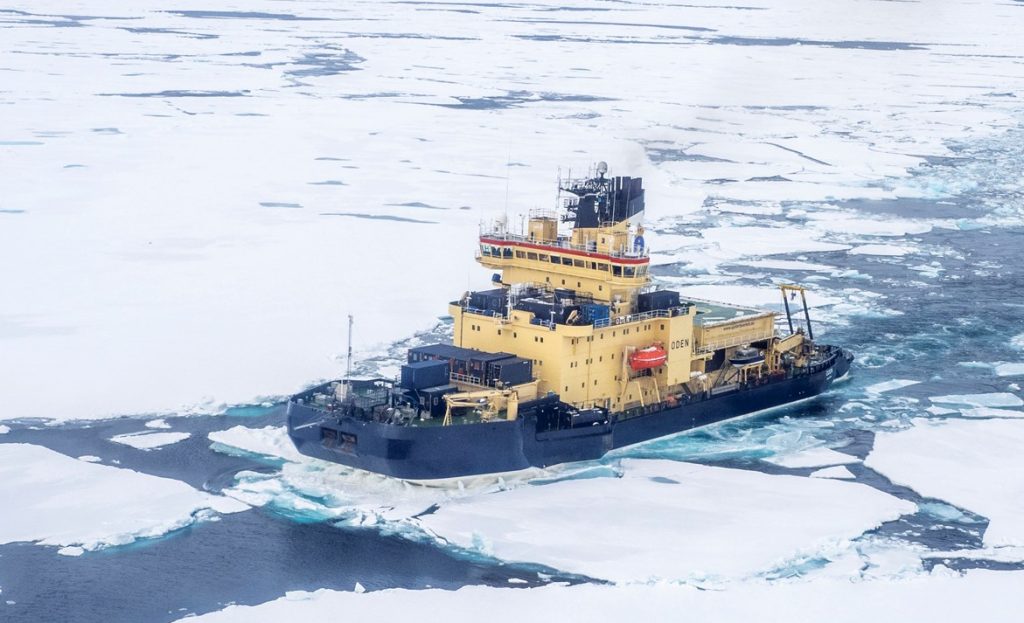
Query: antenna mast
x=348 y=367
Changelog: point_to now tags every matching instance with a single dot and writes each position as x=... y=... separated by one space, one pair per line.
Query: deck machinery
x=571 y=353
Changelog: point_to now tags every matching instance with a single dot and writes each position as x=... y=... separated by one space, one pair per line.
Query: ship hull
x=442 y=452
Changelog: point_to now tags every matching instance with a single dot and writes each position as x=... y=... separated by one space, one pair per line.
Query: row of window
x=562 y=260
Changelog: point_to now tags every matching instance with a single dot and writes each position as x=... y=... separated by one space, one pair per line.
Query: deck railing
x=505 y=236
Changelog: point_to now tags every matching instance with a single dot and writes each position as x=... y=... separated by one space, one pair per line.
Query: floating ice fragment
x=813 y=457
x=57 y=500
x=985 y=412
x=889 y=250
x=4 y=429
x=889 y=386
x=89 y=458
x=972 y=464
x=157 y=423
x=710 y=525
x=997 y=399
x=1009 y=369
x=270 y=441
x=71 y=550
x=149 y=441
x=839 y=472
x=359 y=588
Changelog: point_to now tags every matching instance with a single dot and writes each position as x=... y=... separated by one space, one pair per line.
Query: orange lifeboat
x=647 y=358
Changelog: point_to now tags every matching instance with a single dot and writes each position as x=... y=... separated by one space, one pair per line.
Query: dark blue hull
x=437 y=452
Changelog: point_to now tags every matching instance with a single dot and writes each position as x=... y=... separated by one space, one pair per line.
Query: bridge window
x=579 y=264
x=593 y=266
x=616 y=271
x=520 y=254
x=567 y=261
x=485 y=249
x=602 y=267
x=556 y=259
x=506 y=252
x=543 y=257
x=531 y=256
x=630 y=271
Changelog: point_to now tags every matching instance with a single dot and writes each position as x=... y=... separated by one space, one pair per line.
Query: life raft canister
x=648 y=357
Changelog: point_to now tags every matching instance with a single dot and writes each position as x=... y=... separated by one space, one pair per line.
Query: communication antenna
x=348 y=367
x=508 y=171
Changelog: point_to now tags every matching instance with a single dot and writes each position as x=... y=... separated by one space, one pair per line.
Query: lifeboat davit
x=649 y=357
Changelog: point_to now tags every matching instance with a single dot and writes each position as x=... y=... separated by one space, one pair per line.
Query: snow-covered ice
x=665 y=520
x=813 y=457
x=885 y=250
x=228 y=169
x=888 y=386
x=983 y=412
x=973 y=464
x=149 y=441
x=840 y=472
x=54 y=499
x=269 y=441
x=996 y=399
x=941 y=596
x=1009 y=369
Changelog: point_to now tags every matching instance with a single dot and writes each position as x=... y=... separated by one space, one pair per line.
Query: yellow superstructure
x=588 y=363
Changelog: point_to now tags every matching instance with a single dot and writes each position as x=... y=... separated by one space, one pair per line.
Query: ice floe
x=157 y=423
x=270 y=441
x=940 y=596
x=149 y=441
x=813 y=457
x=839 y=472
x=986 y=412
x=4 y=429
x=664 y=520
x=996 y=399
x=888 y=386
x=973 y=464
x=884 y=250
x=53 y=499
x=1009 y=369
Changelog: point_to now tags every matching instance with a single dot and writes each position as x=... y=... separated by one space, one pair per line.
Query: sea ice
x=665 y=520
x=888 y=386
x=149 y=441
x=986 y=412
x=54 y=499
x=4 y=429
x=270 y=441
x=978 y=595
x=1009 y=369
x=157 y=423
x=839 y=472
x=973 y=464
x=889 y=250
x=998 y=399
x=812 y=457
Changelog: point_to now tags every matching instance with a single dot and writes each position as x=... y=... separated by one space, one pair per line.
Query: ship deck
x=708 y=312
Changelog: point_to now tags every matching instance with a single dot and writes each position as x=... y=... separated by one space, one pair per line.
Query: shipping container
x=423 y=374
x=659 y=299
x=510 y=371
